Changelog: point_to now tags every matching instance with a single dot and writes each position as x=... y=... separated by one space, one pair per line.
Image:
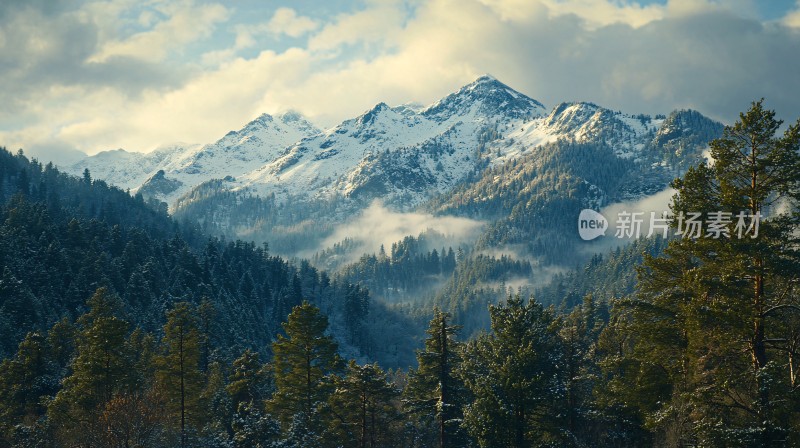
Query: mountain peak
x=486 y=96
x=410 y=108
x=369 y=116
x=484 y=78
x=290 y=115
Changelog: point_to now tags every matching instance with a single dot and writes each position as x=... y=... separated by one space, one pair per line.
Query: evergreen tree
x=715 y=313
x=579 y=332
x=216 y=417
x=178 y=367
x=434 y=389
x=103 y=365
x=514 y=375
x=26 y=381
x=363 y=406
x=303 y=361
x=253 y=428
x=249 y=381
x=302 y=432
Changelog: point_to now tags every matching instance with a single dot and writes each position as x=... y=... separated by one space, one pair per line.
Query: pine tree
x=434 y=389
x=26 y=380
x=363 y=406
x=579 y=332
x=716 y=313
x=102 y=367
x=178 y=367
x=252 y=428
x=513 y=373
x=249 y=381
x=249 y=384
x=216 y=412
x=303 y=361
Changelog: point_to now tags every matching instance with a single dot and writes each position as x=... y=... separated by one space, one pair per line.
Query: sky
x=137 y=74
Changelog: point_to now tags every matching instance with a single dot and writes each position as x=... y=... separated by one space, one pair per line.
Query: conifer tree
x=178 y=367
x=434 y=388
x=514 y=375
x=363 y=406
x=579 y=331
x=717 y=312
x=102 y=367
x=25 y=381
x=249 y=381
x=303 y=361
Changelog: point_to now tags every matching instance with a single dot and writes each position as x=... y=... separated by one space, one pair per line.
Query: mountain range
x=485 y=151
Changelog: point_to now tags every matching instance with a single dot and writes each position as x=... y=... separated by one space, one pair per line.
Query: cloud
x=792 y=19
x=286 y=21
x=597 y=13
x=60 y=153
x=117 y=74
x=657 y=203
x=377 y=226
x=374 y=26
x=185 y=23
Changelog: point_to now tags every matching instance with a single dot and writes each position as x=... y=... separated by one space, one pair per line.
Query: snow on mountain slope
x=486 y=96
x=405 y=151
x=128 y=170
x=316 y=162
x=237 y=153
x=404 y=154
x=185 y=166
x=580 y=122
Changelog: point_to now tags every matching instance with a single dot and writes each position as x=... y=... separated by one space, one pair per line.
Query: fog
x=657 y=203
x=377 y=225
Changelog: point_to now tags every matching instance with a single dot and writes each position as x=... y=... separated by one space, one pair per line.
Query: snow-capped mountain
x=405 y=151
x=128 y=170
x=387 y=151
x=178 y=168
x=406 y=156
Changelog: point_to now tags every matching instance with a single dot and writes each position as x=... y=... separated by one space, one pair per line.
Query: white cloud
x=702 y=54
x=378 y=24
x=186 y=22
x=792 y=19
x=204 y=109
x=286 y=21
x=657 y=203
x=598 y=13
x=377 y=226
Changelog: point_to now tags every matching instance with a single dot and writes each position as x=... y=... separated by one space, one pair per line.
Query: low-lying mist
x=377 y=225
x=658 y=203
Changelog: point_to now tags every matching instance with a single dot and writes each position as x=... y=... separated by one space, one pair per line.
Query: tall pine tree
x=718 y=313
x=178 y=367
x=364 y=407
x=434 y=388
x=514 y=375
x=103 y=366
x=303 y=361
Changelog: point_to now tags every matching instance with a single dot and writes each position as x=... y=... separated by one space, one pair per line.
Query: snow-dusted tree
x=303 y=361
x=717 y=317
x=434 y=389
x=364 y=407
x=102 y=368
x=514 y=374
x=178 y=367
